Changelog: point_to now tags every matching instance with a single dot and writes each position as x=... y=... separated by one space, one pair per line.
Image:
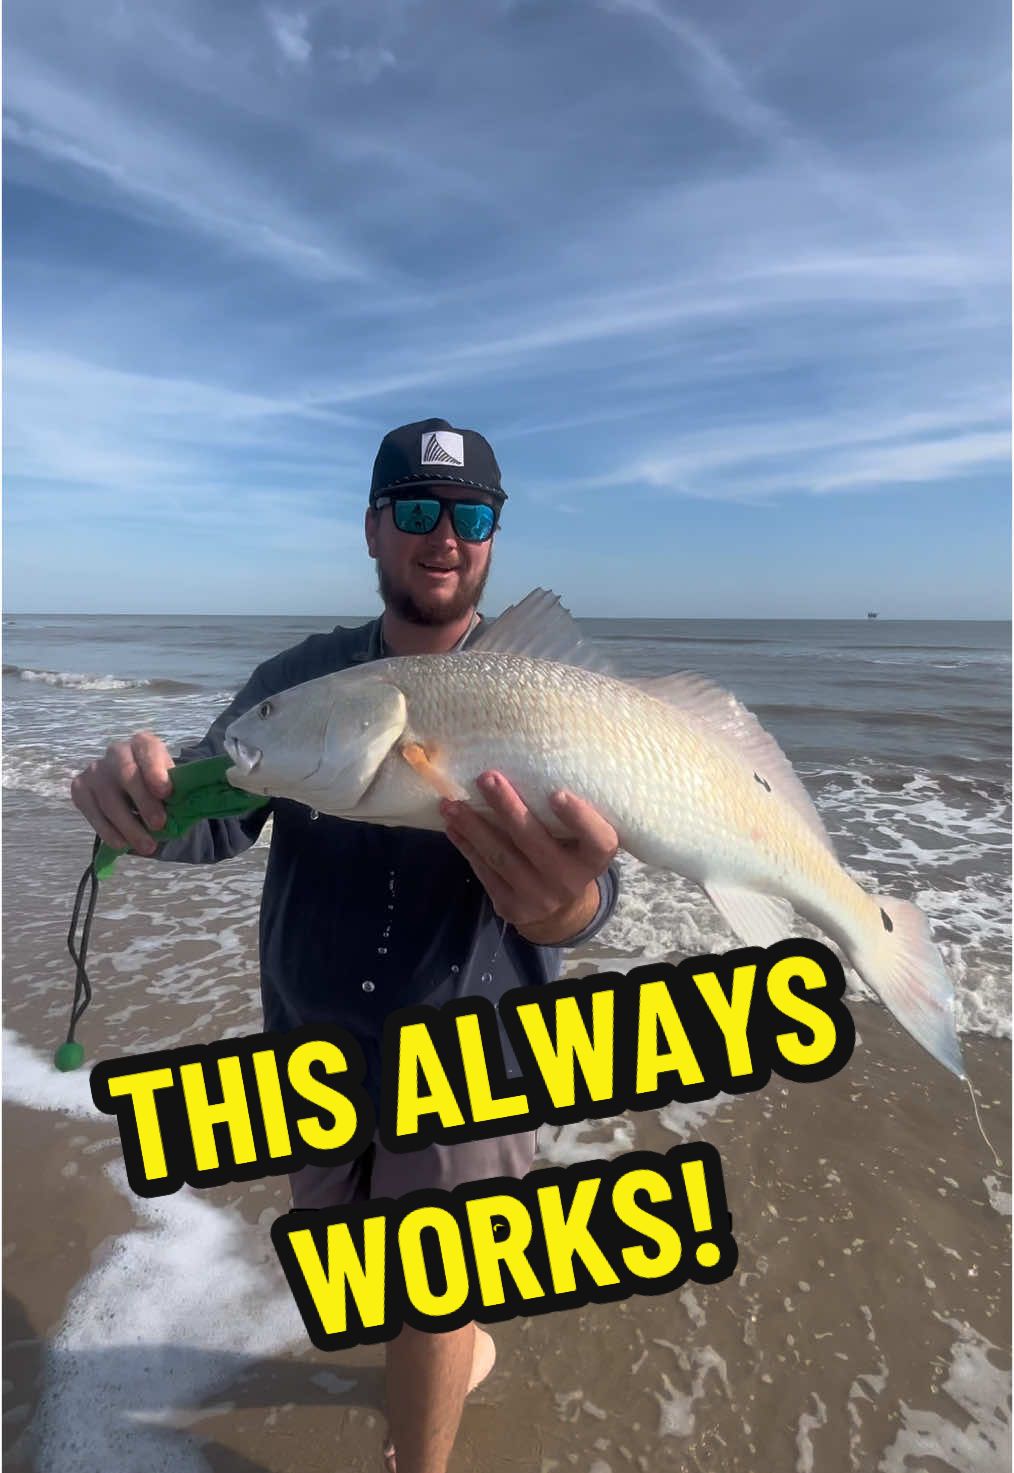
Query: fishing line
x=982 y=1132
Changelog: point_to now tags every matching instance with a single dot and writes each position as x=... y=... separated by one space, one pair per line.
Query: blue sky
x=726 y=287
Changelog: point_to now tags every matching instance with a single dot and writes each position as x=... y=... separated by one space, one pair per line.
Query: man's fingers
x=152 y=757
x=152 y=813
x=499 y=856
x=595 y=838
x=85 y=800
x=528 y=831
x=528 y=873
x=132 y=763
x=571 y=862
x=560 y=865
x=115 y=808
x=490 y=879
x=123 y=794
x=514 y=844
x=102 y=793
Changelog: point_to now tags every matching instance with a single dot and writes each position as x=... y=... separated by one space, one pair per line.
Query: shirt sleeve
x=213 y=839
x=609 y=890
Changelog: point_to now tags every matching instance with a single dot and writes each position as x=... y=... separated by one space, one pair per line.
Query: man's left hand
x=543 y=886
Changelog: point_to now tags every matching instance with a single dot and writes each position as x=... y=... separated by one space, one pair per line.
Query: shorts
x=379 y=1172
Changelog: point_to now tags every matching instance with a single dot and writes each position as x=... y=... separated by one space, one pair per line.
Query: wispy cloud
x=832 y=452
x=725 y=92
x=661 y=254
x=366 y=63
x=151 y=167
x=148 y=446
x=289 y=30
x=918 y=462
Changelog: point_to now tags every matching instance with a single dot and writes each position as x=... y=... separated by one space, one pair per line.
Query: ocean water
x=863 y=1329
x=901 y=731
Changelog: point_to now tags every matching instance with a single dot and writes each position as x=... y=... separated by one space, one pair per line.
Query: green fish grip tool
x=199 y=790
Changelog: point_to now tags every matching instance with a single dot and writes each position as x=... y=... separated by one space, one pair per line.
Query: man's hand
x=544 y=887
x=125 y=790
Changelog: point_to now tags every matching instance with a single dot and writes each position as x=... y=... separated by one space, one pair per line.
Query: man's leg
x=428 y=1414
x=428 y=1375
x=427 y=1381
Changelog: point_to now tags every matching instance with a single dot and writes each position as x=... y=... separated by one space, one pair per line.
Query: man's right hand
x=125 y=790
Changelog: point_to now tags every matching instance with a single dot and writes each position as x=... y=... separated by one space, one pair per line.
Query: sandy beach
x=862 y=1329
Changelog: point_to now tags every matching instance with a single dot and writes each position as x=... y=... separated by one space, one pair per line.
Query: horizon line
x=614 y=618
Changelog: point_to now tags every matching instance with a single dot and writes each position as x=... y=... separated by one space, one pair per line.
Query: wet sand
x=859 y=1331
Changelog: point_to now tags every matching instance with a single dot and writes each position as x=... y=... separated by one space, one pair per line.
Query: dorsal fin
x=541 y=628
x=742 y=734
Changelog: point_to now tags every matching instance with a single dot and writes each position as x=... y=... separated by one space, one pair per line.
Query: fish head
x=319 y=743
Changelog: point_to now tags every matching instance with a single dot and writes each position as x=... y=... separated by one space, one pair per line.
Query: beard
x=402 y=603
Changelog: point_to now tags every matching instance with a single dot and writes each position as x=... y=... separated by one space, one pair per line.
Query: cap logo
x=443 y=447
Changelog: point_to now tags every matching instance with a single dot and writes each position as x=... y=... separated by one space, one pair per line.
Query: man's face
x=431 y=579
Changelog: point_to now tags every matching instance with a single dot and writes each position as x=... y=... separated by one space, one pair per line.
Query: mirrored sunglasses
x=473 y=521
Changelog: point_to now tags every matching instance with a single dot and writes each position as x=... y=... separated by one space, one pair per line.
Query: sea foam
x=152 y=1330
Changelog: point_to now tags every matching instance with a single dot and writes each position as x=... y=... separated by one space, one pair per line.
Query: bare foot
x=483 y=1361
x=483 y=1358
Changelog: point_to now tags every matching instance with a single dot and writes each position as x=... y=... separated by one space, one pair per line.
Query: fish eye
x=264 y=710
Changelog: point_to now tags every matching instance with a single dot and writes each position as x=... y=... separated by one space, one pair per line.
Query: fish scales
x=685 y=775
x=676 y=797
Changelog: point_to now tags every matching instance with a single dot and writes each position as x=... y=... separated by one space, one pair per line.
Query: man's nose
x=445 y=526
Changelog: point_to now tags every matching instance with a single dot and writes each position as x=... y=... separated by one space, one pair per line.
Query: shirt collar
x=366 y=643
x=371 y=644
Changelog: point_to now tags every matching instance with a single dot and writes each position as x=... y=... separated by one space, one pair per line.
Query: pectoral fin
x=426 y=767
x=758 y=920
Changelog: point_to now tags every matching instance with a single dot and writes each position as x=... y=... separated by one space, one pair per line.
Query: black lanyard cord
x=79 y=952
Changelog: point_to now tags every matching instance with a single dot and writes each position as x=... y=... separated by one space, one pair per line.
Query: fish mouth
x=245 y=759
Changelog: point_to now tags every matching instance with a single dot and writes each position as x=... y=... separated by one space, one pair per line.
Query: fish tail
x=902 y=963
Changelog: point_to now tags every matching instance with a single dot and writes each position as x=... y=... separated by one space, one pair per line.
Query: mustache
x=401 y=602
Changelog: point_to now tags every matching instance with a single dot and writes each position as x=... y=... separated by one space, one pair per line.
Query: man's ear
x=371 y=531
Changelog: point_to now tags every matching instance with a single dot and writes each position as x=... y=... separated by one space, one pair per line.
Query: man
x=356 y=919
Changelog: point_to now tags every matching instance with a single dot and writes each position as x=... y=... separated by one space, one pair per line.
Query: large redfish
x=685 y=774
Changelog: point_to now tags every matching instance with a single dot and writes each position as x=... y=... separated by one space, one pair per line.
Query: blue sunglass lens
x=416 y=516
x=473 y=521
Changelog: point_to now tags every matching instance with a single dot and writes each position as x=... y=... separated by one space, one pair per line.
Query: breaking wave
x=73 y=680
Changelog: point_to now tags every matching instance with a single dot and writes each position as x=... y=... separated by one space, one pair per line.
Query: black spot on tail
x=763 y=782
x=888 y=923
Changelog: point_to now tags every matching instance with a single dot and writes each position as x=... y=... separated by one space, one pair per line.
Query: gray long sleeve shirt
x=357 y=919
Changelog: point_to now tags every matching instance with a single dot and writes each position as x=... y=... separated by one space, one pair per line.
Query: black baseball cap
x=433 y=453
